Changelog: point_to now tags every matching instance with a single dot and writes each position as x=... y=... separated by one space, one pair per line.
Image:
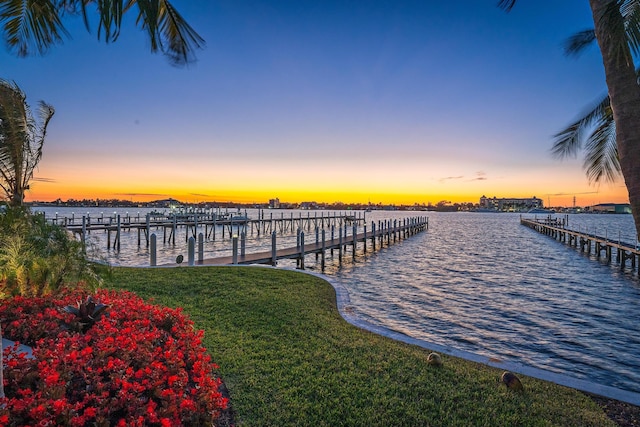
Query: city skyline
x=393 y=102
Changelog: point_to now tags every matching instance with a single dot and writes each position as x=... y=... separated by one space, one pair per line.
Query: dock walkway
x=386 y=232
x=626 y=254
x=211 y=223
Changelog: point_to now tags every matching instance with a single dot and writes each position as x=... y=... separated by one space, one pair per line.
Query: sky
x=355 y=101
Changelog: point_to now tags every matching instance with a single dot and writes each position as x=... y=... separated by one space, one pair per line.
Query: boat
x=541 y=211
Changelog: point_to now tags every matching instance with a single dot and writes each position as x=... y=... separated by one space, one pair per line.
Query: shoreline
x=343 y=303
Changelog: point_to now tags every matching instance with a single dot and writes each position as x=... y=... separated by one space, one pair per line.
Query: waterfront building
x=618 y=208
x=510 y=204
x=274 y=203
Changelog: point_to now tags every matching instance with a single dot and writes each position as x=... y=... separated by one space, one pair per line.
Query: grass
x=288 y=358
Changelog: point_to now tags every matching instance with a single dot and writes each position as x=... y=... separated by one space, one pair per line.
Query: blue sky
x=381 y=100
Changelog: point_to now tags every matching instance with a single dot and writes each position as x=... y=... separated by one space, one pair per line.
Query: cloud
x=44 y=180
x=451 y=178
x=572 y=194
x=480 y=176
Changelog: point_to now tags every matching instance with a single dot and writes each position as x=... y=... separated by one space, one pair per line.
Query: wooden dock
x=387 y=232
x=626 y=254
x=212 y=224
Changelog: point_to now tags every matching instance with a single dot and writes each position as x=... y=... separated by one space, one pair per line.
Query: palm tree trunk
x=624 y=93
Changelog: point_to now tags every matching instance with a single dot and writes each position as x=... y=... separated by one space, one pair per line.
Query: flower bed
x=139 y=364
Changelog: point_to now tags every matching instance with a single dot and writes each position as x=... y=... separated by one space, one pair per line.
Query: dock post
x=345 y=234
x=243 y=243
x=200 y=247
x=395 y=230
x=333 y=232
x=175 y=229
x=191 y=251
x=323 y=249
x=302 y=250
x=84 y=233
x=195 y=223
x=274 y=260
x=340 y=244
x=148 y=228
x=152 y=251
x=234 y=249
x=355 y=239
x=117 y=242
x=364 y=241
x=373 y=235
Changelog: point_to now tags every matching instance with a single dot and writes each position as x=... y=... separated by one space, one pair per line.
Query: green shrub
x=38 y=258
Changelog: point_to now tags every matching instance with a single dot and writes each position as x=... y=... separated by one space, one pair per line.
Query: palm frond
x=506 y=4
x=168 y=31
x=630 y=10
x=569 y=141
x=30 y=26
x=110 y=12
x=614 y=20
x=21 y=140
x=14 y=130
x=577 y=43
x=37 y=138
x=601 y=161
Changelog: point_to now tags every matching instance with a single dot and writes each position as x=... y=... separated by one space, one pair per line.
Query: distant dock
x=212 y=224
x=625 y=254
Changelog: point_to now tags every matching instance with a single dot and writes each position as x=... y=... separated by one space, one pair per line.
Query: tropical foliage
x=38 y=258
x=32 y=27
x=595 y=134
x=142 y=365
x=617 y=31
x=21 y=141
x=595 y=130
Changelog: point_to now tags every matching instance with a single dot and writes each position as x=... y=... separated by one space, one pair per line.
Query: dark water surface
x=486 y=284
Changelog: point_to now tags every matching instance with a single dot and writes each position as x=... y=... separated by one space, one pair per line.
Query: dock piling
x=152 y=251
x=191 y=250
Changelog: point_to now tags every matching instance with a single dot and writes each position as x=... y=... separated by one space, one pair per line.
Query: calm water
x=483 y=283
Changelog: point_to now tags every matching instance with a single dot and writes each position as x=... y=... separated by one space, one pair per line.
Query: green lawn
x=288 y=358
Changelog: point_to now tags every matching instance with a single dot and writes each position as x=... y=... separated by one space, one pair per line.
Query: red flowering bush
x=139 y=365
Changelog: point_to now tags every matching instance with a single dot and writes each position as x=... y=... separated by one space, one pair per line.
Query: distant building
x=308 y=205
x=274 y=203
x=618 y=208
x=510 y=204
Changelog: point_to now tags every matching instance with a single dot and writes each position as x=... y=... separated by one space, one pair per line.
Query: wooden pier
x=387 y=232
x=626 y=254
x=211 y=223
